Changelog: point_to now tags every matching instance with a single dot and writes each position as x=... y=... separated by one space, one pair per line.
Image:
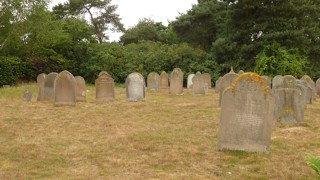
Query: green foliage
x=276 y=60
x=314 y=163
x=10 y=70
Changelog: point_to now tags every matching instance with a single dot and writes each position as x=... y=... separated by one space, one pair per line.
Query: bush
x=10 y=70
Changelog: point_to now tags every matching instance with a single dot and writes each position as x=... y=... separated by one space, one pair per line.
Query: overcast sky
x=131 y=11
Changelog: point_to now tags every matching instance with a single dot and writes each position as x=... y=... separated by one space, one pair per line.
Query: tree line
x=265 y=36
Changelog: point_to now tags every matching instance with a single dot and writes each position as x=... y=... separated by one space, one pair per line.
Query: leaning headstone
x=198 y=84
x=207 y=79
x=318 y=86
x=153 y=81
x=104 y=87
x=289 y=100
x=81 y=89
x=164 y=80
x=135 y=87
x=189 y=81
x=246 y=115
x=27 y=96
x=225 y=82
x=65 y=89
x=40 y=83
x=176 y=82
x=49 y=86
x=277 y=81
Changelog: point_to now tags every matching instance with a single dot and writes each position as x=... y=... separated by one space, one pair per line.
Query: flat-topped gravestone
x=318 y=86
x=40 y=83
x=289 y=100
x=207 y=79
x=246 y=115
x=65 y=89
x=135 y=87
x=104 y=88
x=27 y=95
x=176 y=82
x=153 y=81
x=81 y=89
x=189 y=80
x=198 y=82
x=164 y=80
x=277 y=81
x=49 y=86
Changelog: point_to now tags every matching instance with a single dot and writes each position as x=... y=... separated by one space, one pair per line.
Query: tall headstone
x=40 y=83
x=164 y=80
x=176 y=82
x=81 y=90
x=49 y=86
x=207 y=79
x=135 y=87
x=189 y=81
x=153 y=81
x=65 y=89
x=198 y=82
x=104 y=87
x=246 y=115
x=318 y=86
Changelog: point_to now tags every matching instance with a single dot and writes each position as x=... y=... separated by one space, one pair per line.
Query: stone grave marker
x=198 y=82
x=225 y=82
x=318 y=86
x=176 y=82
x=153 y=81
x=135 y=87
x=267 y=79
x=277 y=81
x=311 y=84
x=104 y=87
x=40 y=83
x=81 y=90
x=246 y=115
x=49 y=86
x=164 y=80
x=189 y=81
x=207 y=80
x=27 y=95
x=65 y=89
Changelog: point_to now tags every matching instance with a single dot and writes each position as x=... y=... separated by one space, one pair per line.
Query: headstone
x=277 y=81
x=49 y=86
x=198 y=84
x=246 y=115
x=189 y=81
x=225 y=82
x=267 y=79
x=308 y=89
x=164 y=80
x=289 y=100
x=81 y=89
x=40 y=83
x=218 y=85
x=104 y=88
x=318 y=86
x=240 y=72
x=176 y=82
x=135 y=87
x=65 y=89
x=5 y=86
x=27 y=96
x=311 y=84
x=153 y=81
x=207 y=79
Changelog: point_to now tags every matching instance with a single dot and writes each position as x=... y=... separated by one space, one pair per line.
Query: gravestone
x=207 y=80
x=153 y=81
x=198 y=82
x=218 y=85
x=104 y=87
x=189 y=81
x=176 y=82
x=308 y=89
x=225 y=82
x=311 y=84
x=267 y=79
x=246 y=115
x=290 y=101
x=65 y=89
x=164 y=80
x=240 y=72
x=303 y=90
x=49 y=86
x=40 y=83
x=277 y=81
x=81 y=89
x=135 y=87
x=318 y=86
x=27 y=95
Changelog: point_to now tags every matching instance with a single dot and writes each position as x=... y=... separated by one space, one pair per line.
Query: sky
x=130 y=11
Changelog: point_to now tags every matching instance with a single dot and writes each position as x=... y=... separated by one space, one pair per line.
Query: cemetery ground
x=166 y=137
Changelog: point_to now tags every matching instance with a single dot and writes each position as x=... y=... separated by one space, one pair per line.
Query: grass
x=166 y=137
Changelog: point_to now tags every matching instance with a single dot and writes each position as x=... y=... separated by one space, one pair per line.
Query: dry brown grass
x=166 y=137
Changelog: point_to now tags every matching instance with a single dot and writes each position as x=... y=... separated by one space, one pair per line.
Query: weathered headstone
x=81 y=90
x=225 y=82
x=308 y=89
x=246 y=115
x=311 y=84
x=40 y=83
x=198 y=84
x=217 y=86
x=289 y=100
x=27 y=96
x=104 y=88
x=176 y=82
x=277 y=81
x=153 y=81
x=135 y=87
x=65 y=89
x=318 y=86
x=267 y=79
x=49 y=86
x=207 y=79
x=189 y=80
x=240 y=72
x=164 y=80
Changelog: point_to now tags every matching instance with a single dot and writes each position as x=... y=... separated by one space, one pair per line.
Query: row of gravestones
x=249 y=107
x=65 y=89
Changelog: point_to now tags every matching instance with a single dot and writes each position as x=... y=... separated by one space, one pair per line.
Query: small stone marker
x=246 y=115
x=65 y=89
x=198 y=84
x=176 y=82
x=27 y=96
x=164 y=80
x=104 y=87
x=49 y=86
x=207 y=80
x=40 y=83
x=153 y=81
x=135 y=87
x=189 y=81
x=81 y=90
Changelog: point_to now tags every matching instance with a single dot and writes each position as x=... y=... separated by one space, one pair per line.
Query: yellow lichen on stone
x=252 y=76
